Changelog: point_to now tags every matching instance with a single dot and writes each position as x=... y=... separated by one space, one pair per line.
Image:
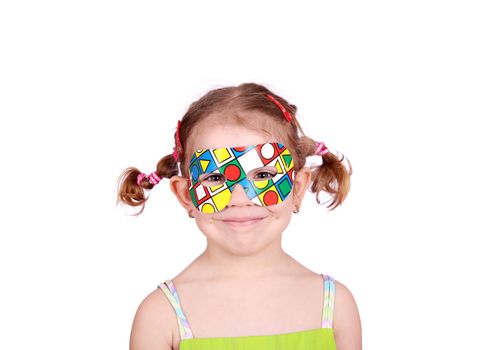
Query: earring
x=296 y=211
x=190 y=213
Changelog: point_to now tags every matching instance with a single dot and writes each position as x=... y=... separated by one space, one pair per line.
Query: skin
x=244 y=266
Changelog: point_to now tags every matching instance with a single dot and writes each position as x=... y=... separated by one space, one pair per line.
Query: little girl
x=238 y=169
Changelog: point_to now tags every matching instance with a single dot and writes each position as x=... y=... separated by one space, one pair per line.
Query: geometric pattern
x=265 y=172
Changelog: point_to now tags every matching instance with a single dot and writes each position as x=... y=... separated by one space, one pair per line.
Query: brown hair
x=332 y=176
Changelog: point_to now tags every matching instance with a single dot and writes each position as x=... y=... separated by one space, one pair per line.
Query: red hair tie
x=287 y=115
x=178 y=147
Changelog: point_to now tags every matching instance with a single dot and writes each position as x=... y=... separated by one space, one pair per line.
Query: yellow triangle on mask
x=204 y=163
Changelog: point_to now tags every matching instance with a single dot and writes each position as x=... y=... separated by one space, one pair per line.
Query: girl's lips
x=243 y=221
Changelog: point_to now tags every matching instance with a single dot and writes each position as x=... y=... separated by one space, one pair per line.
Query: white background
x=89 y=88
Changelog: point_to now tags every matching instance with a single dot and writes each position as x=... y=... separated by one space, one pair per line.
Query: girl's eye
x=212 y=180
x=264 y=175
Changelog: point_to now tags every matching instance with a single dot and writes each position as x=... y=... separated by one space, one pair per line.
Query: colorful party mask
x=265 y=172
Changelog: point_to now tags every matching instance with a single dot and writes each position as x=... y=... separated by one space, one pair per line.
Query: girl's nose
x=239 y=196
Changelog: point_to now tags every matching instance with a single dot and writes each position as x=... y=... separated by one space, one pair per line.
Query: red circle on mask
x=270 y=198
x=240 y=149
x=232 y=172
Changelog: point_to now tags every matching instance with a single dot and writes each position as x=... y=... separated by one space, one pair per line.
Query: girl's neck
x=215 y=264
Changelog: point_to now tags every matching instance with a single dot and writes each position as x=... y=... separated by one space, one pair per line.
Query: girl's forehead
x=229 y=136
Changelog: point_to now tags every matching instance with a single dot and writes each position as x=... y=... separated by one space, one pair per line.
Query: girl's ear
x=180 y=188
x=300 y=184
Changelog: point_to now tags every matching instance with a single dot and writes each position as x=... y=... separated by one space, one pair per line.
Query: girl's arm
x=346 y=319
x=151 y=326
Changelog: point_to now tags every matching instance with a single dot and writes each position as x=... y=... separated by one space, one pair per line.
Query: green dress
x=310 y=339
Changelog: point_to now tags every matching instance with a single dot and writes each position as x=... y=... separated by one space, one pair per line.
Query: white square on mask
x=250 y=161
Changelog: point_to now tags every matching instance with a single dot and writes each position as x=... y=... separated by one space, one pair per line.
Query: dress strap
x=169 y=289
x=328 y=304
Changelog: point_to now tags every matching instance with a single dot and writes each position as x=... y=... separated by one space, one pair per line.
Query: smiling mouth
x=242 y=221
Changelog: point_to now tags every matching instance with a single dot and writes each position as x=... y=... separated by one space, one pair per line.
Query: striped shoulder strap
x=169 y=289
x=328 y=304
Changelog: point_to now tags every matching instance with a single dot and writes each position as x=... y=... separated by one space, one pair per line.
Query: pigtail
x=331 y=176
x=132 y=194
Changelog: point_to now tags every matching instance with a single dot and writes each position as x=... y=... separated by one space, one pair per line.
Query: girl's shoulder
x=153 y=323
x=346 y=318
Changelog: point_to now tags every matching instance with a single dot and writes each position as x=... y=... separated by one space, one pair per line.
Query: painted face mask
x=265 y=172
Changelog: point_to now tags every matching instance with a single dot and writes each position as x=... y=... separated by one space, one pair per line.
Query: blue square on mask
x=248 y=188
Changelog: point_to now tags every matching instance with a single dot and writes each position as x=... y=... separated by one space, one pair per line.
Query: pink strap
x=170 y=291
x=328 y=302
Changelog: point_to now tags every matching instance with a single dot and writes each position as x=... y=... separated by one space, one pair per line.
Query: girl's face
x=242 y=227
